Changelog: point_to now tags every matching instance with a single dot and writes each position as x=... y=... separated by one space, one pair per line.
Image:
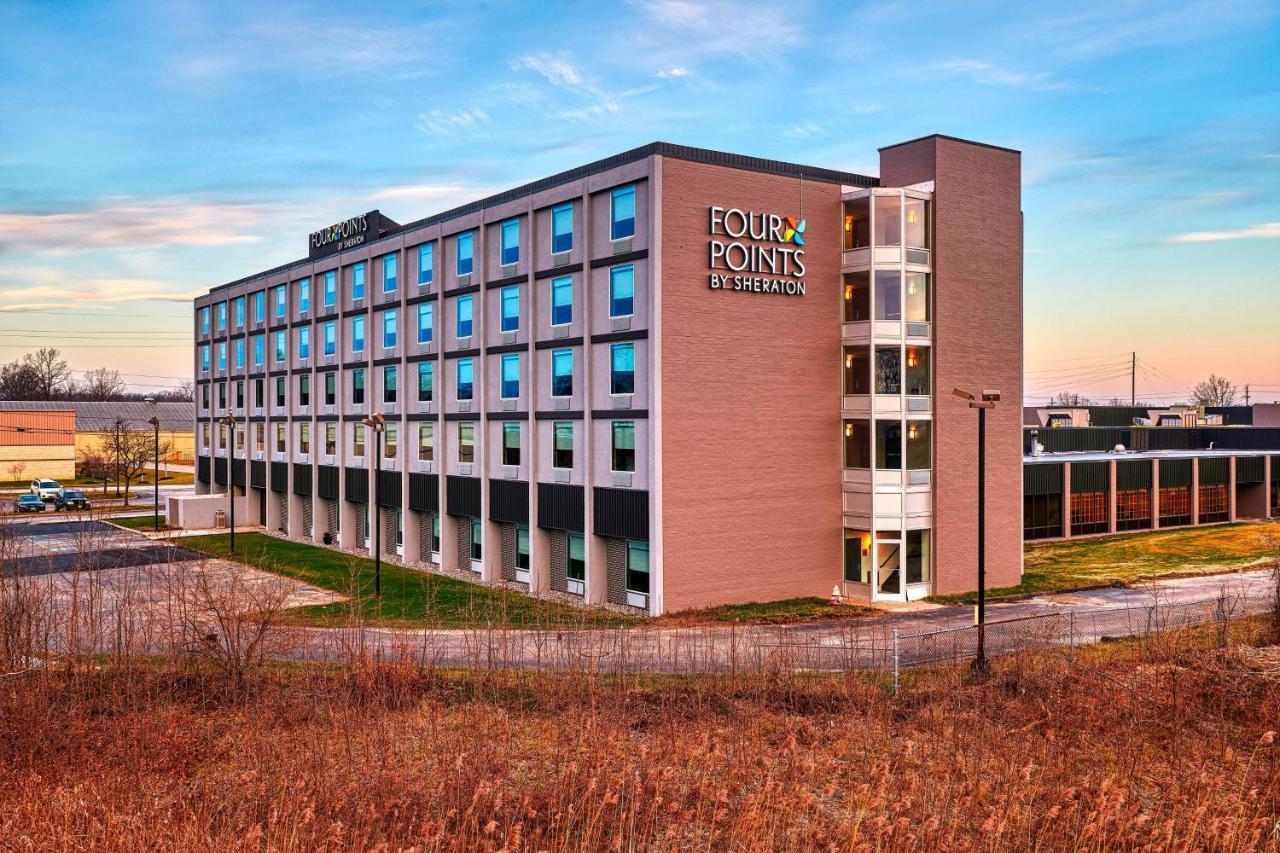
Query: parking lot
x=40 y=546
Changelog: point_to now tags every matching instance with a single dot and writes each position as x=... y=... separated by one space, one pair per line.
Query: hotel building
x=671 y=378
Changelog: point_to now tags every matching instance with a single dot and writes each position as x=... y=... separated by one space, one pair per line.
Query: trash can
x=220 y=518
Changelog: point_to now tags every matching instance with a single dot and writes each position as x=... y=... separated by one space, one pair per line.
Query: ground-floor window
x=638 y=567
x=435 y=532
x=1089 y=513
x=477 y=538
x=522 y=551
x=1213 y=503
x=857 y=556
x=399 y=516
x=918 y=556
x=575 y=570
x=1275 y=496
x=1133 y=509
x=1175 y=506
x=889 y=561
x=1041 y=516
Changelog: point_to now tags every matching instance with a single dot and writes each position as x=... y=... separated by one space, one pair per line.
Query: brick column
x=1066 y=500
x=1231 y=490
x=1195 y=490
x=1111 y=496
x=1155 y=494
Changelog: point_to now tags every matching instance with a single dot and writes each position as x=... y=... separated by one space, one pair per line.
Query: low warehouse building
x=37 y=444
x=89 y=424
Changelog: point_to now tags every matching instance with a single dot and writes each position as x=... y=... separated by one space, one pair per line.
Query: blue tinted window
x=330 y=338
x=282 y=298
x=388 y=329
x=561 y=228
x=259 y=306
x=330 y=288
x=259 y=350
x=388 y=273
x=425 y=383
x=204 y=358
x=510 y=308
x=511 y=375
x=389 y=384
x=622 y=373
x=357 y=334
x=304 y=342
x=239 y=352
x=204 y=320
x=222 y=316
x=562 y=301
x=426 y=315
x=304 y=295
x=621 y=291
x=464 y=316
x=622 y=214
x=222 y=356
x=357 y=281
x=465 y=376
x=562 y=373
x=280 y=346
x=510 y=241
x=425 y=260
x=463 y=244
x=240 y=311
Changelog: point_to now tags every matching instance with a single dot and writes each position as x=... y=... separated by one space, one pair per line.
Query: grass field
x=767 y=612
x=409 y=597
x=139 y=522
x=1080 y=563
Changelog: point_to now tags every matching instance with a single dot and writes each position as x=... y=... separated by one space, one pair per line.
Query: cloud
x=558 y=70
x=989 y=74
x=442 y=125
x=1265 y=231
x=674 y=72
x=803 y=130
x=45 y=288
x=595 y=100
x=723 y=26
x=134 y=223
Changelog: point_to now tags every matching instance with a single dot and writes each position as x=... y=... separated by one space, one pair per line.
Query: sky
x=150 y=151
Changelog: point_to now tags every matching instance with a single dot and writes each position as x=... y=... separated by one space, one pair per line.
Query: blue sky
x=151 y=150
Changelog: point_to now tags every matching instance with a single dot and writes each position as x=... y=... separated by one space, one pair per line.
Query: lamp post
x=230 y=422
x=988 y=400
x=377 y=423
x=155 y=477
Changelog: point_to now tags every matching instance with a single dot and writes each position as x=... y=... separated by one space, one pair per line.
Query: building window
x=222 y=395
x=281 y=353
x=259 y=350
x=259 y=437
x=357 y=440
x=1213 y=503
x=222 y=316
x=425 y=263
x=857 y=444
x=282 y=299
x=304 y=390
x=562 y=445
x=888 y=295
x=330 y=288
x=562 y=228
x=1133 y=509
x=918 y=556
x=462 y=245
x=330 y=389
x=239 y=362
x=259 y=395
x=510 y=242
x=466 y=441
x=857 y=298
x=888 y=370
x=1041 y=516
x=330 y=338
x=466 y=377
x=463 y=305
x=204 y=320
x=857 y=556
x=330 y=438
x=222 y=355
x=304 y=296
x=857 y=224
x=562 y=373
x=426 y=376
x=889 y=445
x=435 y=532
x=280 y=392
x=888 y=224
x=204 y=397
x=624 y=446
x=391 y=442
x=1089 y=513
x=357 y=281
x=426 y=441
x=522 y=548
x=575 y=570
x=1175 y=506
x=919 y=448
x=357 y=386
x=510 y=308
x=426 y=321
x=918 y=381
x=622 y=291
x=388 y=273
x=857 y=370
x=917 y=301
x=917 y=228
x=204 y=358
x=638 y=567
x=304 y=342
x=622 y=368
x=388 y=329
x=357 y=334
x=389 y=384
x=511 y=443
x=622 y=213
x=259 y=306
x=239 y=314
x=562 y=301
x=280 y=438
x=240 y=394
x=510 y=375
x=476 y=540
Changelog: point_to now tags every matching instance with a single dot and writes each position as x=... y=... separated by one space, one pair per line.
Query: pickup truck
x=71 y=499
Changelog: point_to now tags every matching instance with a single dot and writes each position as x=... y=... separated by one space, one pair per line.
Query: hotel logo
x=753 y=252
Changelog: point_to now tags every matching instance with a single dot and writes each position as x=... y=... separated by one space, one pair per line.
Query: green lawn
x=409 y=597
x=786 y=610
x=1110 y=560
x=139 y=522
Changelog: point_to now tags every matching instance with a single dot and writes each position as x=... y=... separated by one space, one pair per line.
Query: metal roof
x=98 y=416
x=1104 y=456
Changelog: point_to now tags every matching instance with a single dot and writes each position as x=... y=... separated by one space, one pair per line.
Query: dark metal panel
x=357 y=485
x=1042 y=478
x=509 y=501
x=1250 y=470
x=389 y=489
x=1214 y=471
x=462 y=496
x=237 y=472
x=328 y=485
x=1090 y=477
x=220 y=470
x=258 y=474
x=202 y=469
x=424 y=492
x=561 y=506
x=279 y=476
x=1133 y=474
x=1175 y=472
x=621 y=513
x=302 y=479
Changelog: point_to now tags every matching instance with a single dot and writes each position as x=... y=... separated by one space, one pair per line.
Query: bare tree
x=18 y=381
x=52 y=373
x=1214 y=391
x=1067 y=398
x=101 y=384
x=15 y=470
x=94 y=465
x=130 y=451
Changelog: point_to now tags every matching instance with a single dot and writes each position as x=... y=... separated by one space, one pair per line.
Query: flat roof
x=1106 y=455
x=663 y=149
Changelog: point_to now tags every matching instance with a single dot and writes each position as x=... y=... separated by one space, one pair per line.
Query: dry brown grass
x=1160 y=745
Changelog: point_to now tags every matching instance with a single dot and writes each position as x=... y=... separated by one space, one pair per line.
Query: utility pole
x=1133 y=380
x=1246 y=395
x=983 y=401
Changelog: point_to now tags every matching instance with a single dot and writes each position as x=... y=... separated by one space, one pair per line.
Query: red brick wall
x=977 y=345
x=750 y=402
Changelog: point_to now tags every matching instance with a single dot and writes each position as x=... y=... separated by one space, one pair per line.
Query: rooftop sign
x=348 y=234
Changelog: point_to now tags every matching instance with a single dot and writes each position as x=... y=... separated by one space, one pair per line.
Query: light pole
x=155 y=482
x=230 y=422
x=377 y=422
x=988 y=401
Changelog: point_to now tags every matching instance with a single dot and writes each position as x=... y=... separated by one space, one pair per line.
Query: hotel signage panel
x=753 y=252
x=348 y=234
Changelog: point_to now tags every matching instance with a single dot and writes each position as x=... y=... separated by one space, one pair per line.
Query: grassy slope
x=139 y=522
x=409 y=597
x=1056 y=566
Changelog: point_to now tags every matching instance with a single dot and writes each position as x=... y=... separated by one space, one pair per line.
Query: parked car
x=71 y=499
x=28 y=503
x=46 y=490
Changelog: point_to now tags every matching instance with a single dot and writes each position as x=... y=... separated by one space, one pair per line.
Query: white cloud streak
x=1265 y=231
x=133 y=223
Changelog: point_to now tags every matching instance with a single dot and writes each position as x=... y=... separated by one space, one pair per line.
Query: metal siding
x=302 y=479
x=280 y=476
x=202 y=469
x=1250 y=470
x=357 y=485
x=1214 y=471
x=237 y=472
x=1042 y=478
x=1090 y=477
x=327 y=482
x=39 y=428
x=424 y=492
x=389 y=489
x=220 y=470
x=1175 y=472
x=509 y=501
x=258 y=474
x=621 y=513
x=561 y=507
x=1133 y=474
x=462 y=496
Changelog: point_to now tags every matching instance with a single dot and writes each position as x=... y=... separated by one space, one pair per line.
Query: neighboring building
x=1081 y=481
x=667 y=379
x=1259 y=414
x=37 y=444
x=94 y=420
